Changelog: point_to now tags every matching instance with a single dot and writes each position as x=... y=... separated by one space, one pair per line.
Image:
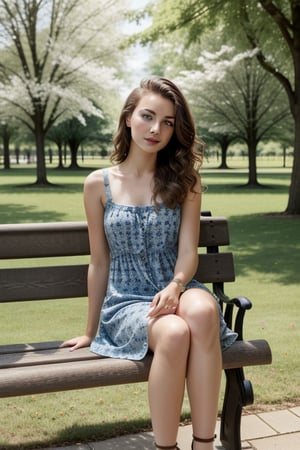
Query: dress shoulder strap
x=106 y=184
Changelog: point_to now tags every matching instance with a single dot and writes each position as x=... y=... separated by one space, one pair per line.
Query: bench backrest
x=35 y=279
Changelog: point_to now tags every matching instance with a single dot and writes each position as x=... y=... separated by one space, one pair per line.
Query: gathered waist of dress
x=150 y=253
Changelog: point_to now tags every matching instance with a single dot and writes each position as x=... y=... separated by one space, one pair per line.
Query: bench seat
x=43 y=367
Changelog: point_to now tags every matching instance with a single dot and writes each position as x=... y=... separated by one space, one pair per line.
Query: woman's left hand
x=165 y=301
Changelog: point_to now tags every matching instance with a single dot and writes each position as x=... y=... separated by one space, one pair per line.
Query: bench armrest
x=242 y=303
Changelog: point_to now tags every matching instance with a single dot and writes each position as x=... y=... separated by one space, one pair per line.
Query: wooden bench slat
x=49 y=356
x=241 y=353
x=64 y=370
x=215 y=267
x=72 y=375
x=43 y=283
x=33 y=347
x=213 y=231
x=54 y=282
x=43 y=240
x=71 y=238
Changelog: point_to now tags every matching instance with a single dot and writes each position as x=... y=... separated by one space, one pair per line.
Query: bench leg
x=238 y=393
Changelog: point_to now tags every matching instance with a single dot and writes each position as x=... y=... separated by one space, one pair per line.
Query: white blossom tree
x=230 y=92
x=59 y=60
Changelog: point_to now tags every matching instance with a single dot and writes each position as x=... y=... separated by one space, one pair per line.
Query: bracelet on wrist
x=179 y=283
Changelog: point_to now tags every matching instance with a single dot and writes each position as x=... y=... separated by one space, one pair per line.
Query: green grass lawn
x=267 y=256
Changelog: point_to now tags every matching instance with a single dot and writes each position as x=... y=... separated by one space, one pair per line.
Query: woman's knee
x=201 y=312
x=172 y=335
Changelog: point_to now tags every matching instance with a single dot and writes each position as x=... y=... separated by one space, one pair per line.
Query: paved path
x=275 y=430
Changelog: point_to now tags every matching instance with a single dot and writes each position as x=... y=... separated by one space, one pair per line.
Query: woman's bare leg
x=169 y=339
x=200 y=311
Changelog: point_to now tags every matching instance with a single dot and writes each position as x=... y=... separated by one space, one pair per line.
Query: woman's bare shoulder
x=95 y=177
x=94 y=185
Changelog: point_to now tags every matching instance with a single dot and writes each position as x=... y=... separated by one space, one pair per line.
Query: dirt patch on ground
x=259 y=408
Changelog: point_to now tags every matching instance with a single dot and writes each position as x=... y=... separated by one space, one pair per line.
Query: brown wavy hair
x=178 y=163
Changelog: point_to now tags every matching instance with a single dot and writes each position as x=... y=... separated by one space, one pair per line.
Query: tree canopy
x=232 y=95
x=271 y=28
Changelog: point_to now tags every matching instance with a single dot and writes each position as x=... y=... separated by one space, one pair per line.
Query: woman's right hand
x=77 y=342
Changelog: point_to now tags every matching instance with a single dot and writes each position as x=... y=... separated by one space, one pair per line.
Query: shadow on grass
x=236 y=189
x=18 y=213
x=131 y=434
x=236 y=183
x=25 y=178
x=98 y=432
x=128 y=430
x=54 y=188
x=266 y=244
x=30 y=172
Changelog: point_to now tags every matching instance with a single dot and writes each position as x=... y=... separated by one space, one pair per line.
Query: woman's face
x=152 y=123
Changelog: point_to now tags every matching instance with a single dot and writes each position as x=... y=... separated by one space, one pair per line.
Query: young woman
x=143 y=219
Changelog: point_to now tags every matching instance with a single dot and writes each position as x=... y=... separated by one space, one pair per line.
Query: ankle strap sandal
x=204 y=441
x=168 y=447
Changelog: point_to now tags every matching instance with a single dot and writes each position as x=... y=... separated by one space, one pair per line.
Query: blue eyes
x=149 y=117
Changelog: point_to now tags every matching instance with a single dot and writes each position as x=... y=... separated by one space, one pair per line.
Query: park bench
x=44 y=367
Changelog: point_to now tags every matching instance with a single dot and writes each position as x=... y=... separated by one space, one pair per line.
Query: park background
x=243 y=114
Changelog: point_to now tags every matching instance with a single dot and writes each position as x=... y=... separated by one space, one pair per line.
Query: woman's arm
x=94 y=199
x=187 y=259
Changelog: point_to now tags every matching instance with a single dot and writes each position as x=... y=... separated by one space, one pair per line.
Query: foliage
x=234 y=98
x=73 y=133
x=59 y=60
x=271 y=28
x=48 y=65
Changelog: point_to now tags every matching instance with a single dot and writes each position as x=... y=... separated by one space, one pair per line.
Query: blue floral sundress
x=143 y=250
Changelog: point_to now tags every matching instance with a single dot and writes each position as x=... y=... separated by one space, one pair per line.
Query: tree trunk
x=6 y=148
x=293 y=206
x=74 y=150
x=65 y=153
x=224 y=144
x=252 y=173
x=60 y=156
x=41 y=173
x=293 y=33
x=284 y=156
